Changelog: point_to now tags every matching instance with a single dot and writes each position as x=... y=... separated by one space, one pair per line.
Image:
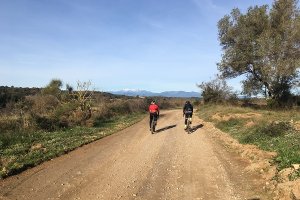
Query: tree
x=69 y=88
x=53 y=88
x=215 y=91
x=263 y=45
x=83 y=96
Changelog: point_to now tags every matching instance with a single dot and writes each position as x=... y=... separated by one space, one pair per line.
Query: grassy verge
x=19 y=151
x=270 y=130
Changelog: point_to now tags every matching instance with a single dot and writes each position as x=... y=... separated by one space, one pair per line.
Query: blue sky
x=156 y=45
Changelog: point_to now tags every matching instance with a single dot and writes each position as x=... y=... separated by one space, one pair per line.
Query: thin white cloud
x=209 y=5
x=151 y=22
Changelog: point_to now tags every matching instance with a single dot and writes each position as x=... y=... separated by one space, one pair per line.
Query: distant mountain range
x=146 y=93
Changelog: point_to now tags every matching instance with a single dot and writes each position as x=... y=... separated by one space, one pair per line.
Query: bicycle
x=188 y=125
x=153 y=125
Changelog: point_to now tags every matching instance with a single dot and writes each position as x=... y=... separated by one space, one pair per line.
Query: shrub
x=232 y=123
x=275 y=129
x=66 y=114
x=127 y=106
x=53 y=88
x=46 y=122
x=215 y=91
x=41 y=105
x=10 y=123
x=120 y=107
x=197 y=102
x=106 y=111
x=272 y=103
x=100 y=115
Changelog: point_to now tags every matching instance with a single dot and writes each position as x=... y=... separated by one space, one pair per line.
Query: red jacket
x=153 y=108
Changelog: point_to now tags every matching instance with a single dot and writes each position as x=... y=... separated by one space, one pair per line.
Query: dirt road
x=133 y=164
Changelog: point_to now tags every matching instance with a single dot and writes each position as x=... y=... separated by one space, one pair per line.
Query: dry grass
x=270 y=130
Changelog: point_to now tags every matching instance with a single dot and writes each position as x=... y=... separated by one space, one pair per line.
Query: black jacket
x=188 y=108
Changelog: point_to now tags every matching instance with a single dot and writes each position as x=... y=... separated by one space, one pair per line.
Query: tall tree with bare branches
x=83 y=95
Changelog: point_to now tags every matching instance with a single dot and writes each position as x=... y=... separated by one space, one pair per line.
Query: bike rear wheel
x=188 y=128
x=153 y=126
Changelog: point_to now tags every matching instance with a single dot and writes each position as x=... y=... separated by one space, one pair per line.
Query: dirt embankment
x=276 y=182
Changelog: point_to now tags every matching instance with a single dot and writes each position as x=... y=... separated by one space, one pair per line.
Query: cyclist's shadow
x=195 y=128
x=165 y=128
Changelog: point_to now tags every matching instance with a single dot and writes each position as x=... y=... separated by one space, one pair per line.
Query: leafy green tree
x=263 y=45
x=53 y=88
x=215 y=91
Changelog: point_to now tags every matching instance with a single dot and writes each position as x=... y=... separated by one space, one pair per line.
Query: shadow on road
x=161 y=115
x=165 y=128
x=195 y=128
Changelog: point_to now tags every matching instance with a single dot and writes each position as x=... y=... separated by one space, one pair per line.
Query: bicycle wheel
x=188 y=128
x=152 y=126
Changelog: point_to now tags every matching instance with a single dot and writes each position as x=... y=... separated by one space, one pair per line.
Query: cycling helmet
x=153 y=102
x=187 y=102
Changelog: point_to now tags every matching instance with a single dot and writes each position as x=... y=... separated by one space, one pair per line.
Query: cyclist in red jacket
x=154 y=112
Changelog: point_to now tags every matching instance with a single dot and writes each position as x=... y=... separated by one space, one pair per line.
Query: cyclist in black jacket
x=187 y=112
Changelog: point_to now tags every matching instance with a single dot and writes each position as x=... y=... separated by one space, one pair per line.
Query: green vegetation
x=217 y=91
x=263 y=46
x=23 y=150
x=40 y=124
x=11 y=95
x=270 y=130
